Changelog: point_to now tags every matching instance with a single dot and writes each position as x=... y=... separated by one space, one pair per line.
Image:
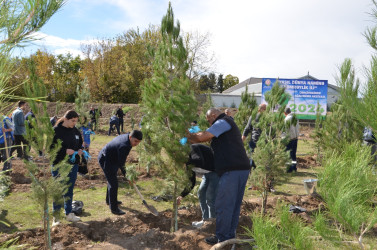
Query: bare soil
x=136 y=229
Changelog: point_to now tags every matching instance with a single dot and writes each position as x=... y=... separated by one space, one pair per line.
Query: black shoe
x=118 y=202
x=118 y=212
x=211 y=240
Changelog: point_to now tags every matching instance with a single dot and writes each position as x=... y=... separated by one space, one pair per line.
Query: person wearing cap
x=113 y=157
x=293 y=132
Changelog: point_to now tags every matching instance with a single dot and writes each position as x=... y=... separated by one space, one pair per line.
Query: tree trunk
x=46 y=223
x=264 y=195
x=174 y=219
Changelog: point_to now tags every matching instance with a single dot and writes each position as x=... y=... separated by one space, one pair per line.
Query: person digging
x=113 y=157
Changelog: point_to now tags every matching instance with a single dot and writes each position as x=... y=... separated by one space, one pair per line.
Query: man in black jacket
x=120 y=115
x=113 y=157
x=233 y=167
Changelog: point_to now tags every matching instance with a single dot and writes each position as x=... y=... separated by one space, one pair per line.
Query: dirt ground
x=138 y=230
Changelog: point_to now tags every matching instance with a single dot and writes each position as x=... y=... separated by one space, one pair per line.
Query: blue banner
x=304 y=95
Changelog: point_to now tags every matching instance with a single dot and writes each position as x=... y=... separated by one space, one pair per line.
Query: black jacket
x=120 y=114
x=71 y=139
x=228 y=149
x=113 y=156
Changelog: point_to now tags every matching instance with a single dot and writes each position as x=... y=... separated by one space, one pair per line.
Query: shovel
x=151 y=209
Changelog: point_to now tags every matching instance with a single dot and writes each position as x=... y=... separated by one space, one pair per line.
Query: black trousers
x=292 y=148
x=112 y=184
x=121 y=122
x=21 y=150
x=111 y=128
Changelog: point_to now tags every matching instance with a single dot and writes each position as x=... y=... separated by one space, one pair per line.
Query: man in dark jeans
x=233 y=167
x=20 y=130
x=113 y=157
x=120 y=115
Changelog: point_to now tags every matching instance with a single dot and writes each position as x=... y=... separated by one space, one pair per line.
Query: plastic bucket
x=310 y=185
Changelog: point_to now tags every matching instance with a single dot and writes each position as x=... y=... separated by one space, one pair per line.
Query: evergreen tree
x=203 y=123
x=82 y=98
x=270 y=156
x=169 y=106
x=341 y=126
x=220 y=83
x=40 y=135
x=245 y=110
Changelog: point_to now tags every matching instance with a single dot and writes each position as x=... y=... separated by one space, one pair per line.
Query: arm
x=199 y=137
x=247 y=129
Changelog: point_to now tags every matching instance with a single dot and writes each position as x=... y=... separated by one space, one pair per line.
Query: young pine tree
x=40 y=136
x=203 y=123
x=341 y=126
x=245 y=109
x=270 y=156
x=169 y=106
x=82 y=98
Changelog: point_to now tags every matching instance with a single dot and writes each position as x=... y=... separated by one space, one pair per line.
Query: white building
x=232 y=97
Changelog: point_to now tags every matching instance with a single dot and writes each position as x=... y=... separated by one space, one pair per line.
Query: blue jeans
x=68 y=196
x=228 y=203
x=207 y=194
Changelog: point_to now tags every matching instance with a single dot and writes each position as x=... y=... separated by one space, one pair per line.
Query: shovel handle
x=137 y=191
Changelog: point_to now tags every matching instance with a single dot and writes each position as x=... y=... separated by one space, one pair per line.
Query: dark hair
x=69 y=115
x=21 y=103
x=137 y=134
x=195 y=122
x=287 y=110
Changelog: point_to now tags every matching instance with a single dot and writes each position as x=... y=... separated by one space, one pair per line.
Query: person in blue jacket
x=6 y=128
x=113 y=157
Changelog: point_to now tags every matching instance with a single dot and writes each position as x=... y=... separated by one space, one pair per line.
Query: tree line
x=115 y=68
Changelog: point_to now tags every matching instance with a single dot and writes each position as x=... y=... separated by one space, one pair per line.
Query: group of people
x=224 y=166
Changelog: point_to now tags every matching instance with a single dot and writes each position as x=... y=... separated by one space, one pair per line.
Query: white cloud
x=270 y=38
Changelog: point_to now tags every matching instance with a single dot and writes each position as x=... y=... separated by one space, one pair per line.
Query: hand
x=70 y=151
x=3 y=129
x=179 y=199
x=243 y=138
x=80 y=152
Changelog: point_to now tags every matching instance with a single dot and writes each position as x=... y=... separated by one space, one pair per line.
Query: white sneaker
x=198 y=224
x=72 y=217
x=55 y=222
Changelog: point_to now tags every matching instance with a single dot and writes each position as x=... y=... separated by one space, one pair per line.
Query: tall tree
x=169 y=104
x=220 y=83
x=200 y=59
x=230 y=81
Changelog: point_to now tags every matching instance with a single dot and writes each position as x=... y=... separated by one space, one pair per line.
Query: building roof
x=255 y=85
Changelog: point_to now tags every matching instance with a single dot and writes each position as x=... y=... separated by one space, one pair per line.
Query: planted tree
x=341 y=126
x=348 y=187
x=270 y=156
x=245 y=110
x=286 y=231
x=169 y=106
x=82 y=98
x=203 y=123
x=40 y=135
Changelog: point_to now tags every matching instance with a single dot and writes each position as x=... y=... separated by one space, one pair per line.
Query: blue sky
x=269 y=38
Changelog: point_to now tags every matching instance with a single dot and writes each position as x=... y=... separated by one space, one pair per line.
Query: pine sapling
x=245 y=109
x=40 y=135
x=169 y=106
x=270 y=156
